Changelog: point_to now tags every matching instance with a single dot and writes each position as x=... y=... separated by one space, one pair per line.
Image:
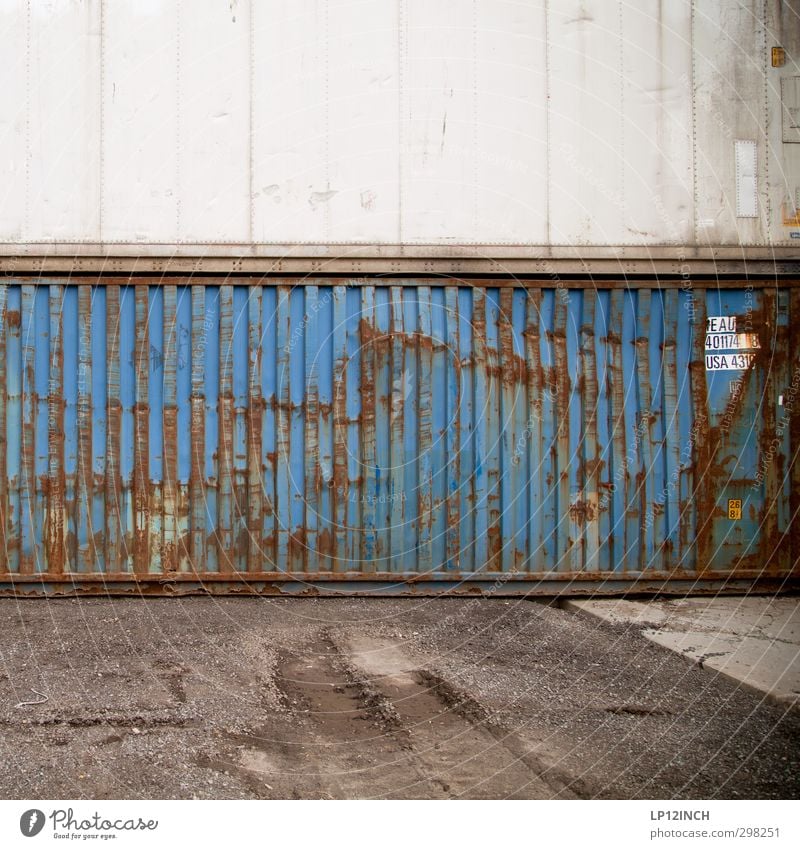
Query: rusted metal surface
x=390 y=586
x=727 y=266
x=408 y=437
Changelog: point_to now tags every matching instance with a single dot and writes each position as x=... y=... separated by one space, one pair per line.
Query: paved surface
x=317 y=698
x=754 y=641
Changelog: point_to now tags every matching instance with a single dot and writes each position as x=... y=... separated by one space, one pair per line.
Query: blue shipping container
x=334 y=435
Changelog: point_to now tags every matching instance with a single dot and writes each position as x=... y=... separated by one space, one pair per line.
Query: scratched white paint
x=64 y=120
x=13 y=125
x=438 y=172
x=657 y=121
x=325 y=140
x=586 y=198
x=363 y=122
x=289 y=109
x=140 y=200
x=214 y=125
x=511 y=126
x=729 y=92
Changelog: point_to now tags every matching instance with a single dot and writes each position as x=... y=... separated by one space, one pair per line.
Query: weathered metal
x=409 y=436
x=632 y=125
x=729 y=266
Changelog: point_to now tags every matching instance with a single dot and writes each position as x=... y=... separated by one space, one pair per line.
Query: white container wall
x=215 y=128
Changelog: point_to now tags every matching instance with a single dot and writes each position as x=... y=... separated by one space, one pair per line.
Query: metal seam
x=767 y=142
x=356 y=243
x=326 y=213
x=475 y=187
x=28 y=148
x=251 y=107
x=693 y=73
x=178 y=119
x=548 y=163
x=102 y=151
x=402 y=46
x=622 y=163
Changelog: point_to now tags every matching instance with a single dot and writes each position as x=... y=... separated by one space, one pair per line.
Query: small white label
x=731 y=341
x=745 y=153
x=729 y=362
x=721 y=324
x=722 y=342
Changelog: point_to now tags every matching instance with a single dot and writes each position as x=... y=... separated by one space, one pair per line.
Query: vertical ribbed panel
x=311 y=468
x=325 y=430
x=340 y=481
x=56 y=508
x=4 y=512
x=115 y=528
x=269 y=457
x=255 y=415
x=283 y=338
x=27 y=479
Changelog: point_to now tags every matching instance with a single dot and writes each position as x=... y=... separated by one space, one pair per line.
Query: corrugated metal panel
x=199 y=129
x=396 y=435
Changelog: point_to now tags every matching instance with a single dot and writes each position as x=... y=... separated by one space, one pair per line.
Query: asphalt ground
x=220 y=698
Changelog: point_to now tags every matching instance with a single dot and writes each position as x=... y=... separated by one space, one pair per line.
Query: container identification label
x=729 y=362
x=723 y=342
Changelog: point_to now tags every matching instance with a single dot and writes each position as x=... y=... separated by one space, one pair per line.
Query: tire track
x=345 y=741
x=452 y=739
x=361 y=720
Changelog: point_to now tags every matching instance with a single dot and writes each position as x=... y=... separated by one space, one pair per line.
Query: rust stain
x=790 y=217
x=341 y=486
x=255 y=488
x=241 y=546
x=590 y=467
x=702 y=448
x=197 y=481
x=141 y=418
x=170 y=552
x=298 y=545
x=367 y=388
x=562 y=385
x=325 y=542
x=225 y=496
x=4 y=507
x=56 y=510
x=582 y=512
x=771 y=357
x=794 y=435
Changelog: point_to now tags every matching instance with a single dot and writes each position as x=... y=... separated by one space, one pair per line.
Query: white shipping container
x=254 y=127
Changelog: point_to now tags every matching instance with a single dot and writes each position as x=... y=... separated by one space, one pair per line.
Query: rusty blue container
x=364 y=436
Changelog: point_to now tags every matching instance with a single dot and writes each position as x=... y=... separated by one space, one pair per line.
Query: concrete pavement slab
x=754 y=640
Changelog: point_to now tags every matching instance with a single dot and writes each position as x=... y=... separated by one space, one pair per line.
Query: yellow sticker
x=734 y=508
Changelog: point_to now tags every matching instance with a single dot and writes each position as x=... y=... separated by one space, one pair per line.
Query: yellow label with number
x=734 y=508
